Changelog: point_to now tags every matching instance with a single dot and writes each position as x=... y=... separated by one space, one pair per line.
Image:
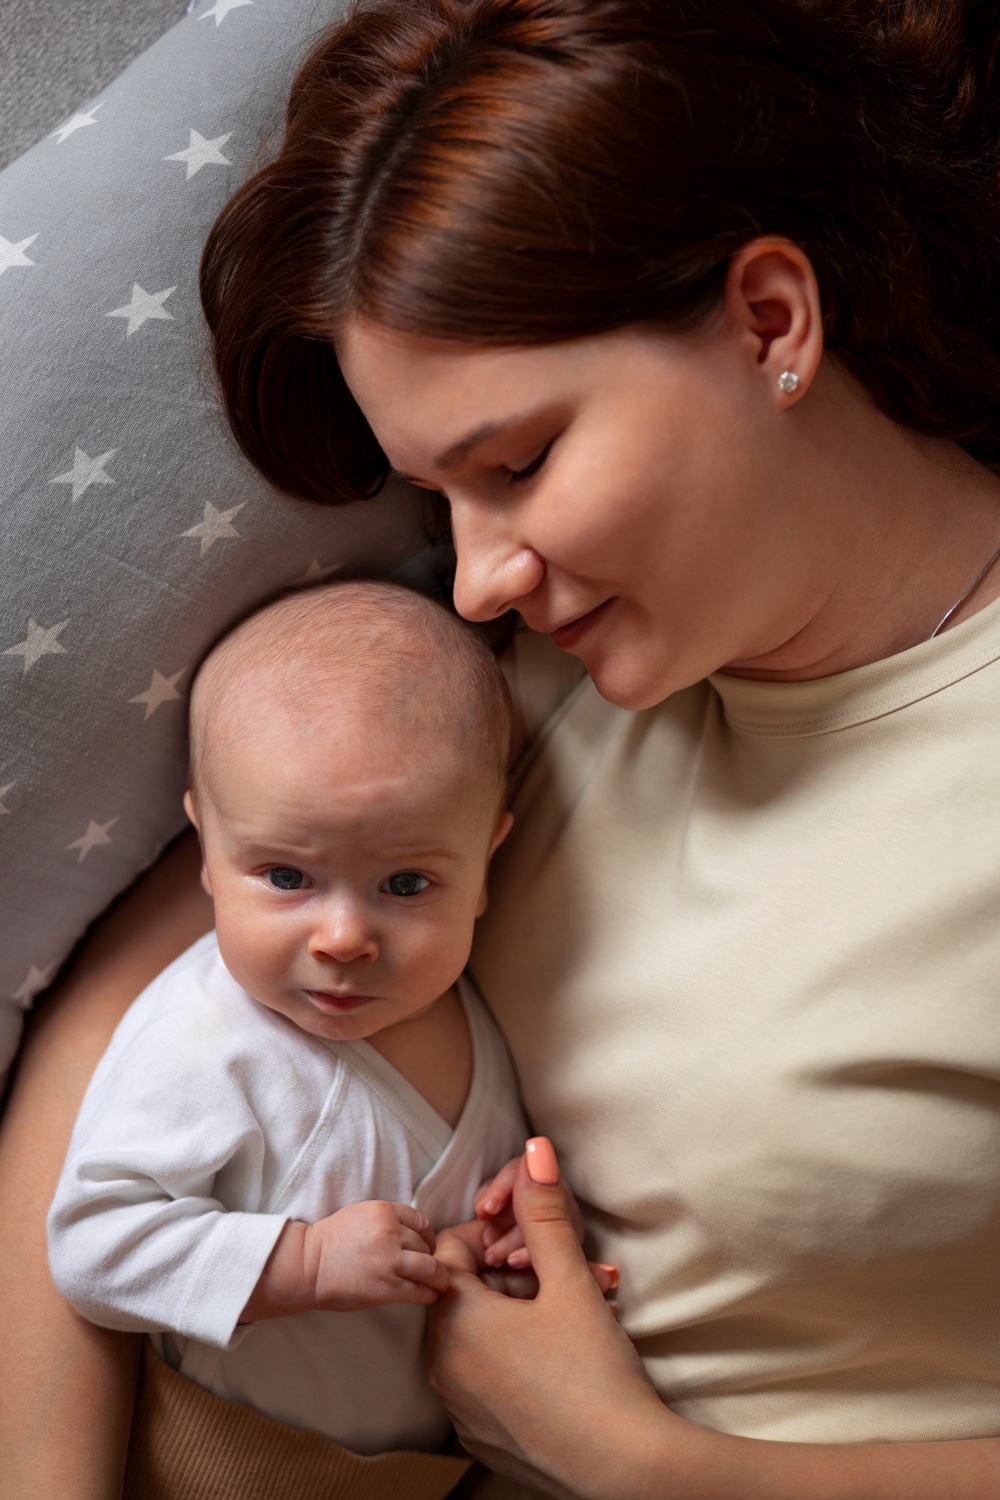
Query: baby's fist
x=373 y=1254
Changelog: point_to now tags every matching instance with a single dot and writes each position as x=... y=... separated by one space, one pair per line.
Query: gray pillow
x=132 y=529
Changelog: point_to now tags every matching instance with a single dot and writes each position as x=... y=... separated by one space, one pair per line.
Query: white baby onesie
x=209 y=1123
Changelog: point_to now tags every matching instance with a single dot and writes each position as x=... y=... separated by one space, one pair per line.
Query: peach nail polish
x=541 y=1161
x=613 y=1273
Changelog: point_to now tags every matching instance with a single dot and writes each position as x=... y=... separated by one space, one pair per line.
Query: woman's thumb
x=542 y=1210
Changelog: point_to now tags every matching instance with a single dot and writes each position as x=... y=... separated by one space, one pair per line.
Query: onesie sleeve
x=139 y=1237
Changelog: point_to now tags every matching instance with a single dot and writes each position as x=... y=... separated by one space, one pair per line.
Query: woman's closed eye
x=406 y=883
x=284 y=878
x=518 y=476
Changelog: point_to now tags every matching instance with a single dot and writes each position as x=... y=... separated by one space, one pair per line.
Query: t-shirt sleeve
x=542 y=677
x=138 y=1238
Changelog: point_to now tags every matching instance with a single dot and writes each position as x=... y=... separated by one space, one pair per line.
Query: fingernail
x=490 y=1206
x=518 y=1259
x=613 y=1274
x=541 y=1161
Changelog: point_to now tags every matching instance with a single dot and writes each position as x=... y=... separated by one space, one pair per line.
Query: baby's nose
x=344 y=936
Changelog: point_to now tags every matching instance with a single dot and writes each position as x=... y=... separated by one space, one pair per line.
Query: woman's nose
x=344 y=935
x=494 y=571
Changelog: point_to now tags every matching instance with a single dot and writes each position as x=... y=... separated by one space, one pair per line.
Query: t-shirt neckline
x=846 y=699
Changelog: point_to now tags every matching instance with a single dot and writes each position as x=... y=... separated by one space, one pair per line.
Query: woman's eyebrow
x=451 y=456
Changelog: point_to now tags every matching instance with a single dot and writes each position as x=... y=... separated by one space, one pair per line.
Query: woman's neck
x=898 y=527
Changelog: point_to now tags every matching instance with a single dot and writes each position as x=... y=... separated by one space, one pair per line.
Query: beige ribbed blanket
x=190 y=1445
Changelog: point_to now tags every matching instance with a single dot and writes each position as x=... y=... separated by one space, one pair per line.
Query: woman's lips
x=338 y=1004
x=568 y=635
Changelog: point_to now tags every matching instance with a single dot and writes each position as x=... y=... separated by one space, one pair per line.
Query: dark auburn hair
x=527 y=171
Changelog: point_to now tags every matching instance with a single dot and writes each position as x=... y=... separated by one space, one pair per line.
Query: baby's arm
x=139 y=1239
x=365 y=1255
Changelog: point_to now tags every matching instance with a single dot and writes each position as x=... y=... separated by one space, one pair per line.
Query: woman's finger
x=499 y=1247
x=494 y=1229
x=495 y=1195
x=544 y=1213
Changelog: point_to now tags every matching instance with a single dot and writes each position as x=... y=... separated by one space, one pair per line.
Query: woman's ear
x=191 y=811
x=504 y=824
x=772 y=300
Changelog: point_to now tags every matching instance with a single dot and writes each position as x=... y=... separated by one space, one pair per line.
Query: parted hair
x=517 y=172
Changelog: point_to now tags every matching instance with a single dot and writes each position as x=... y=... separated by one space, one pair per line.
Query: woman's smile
x=569 y=635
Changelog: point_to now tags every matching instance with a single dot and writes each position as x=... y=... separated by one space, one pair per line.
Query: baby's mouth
x=338 y=1004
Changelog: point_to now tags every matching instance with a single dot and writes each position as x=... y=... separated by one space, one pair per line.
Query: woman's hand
x=525 y=1381
x=551 y=1393
x=502 y=1239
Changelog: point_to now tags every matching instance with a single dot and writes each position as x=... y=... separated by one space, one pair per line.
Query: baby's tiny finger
x=412 y=1218
x=425 y=1269
x=415 y=1291
x=409 y=1239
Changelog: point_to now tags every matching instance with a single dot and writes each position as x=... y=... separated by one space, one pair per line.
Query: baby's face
x=347 y=870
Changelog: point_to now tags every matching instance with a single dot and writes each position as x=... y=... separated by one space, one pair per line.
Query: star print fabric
x=133 y=532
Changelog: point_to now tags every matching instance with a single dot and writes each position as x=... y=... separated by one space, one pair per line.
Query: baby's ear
x=504 y=825
x=189 y=808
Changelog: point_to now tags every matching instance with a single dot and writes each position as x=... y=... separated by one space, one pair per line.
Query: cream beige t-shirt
x=746 y=948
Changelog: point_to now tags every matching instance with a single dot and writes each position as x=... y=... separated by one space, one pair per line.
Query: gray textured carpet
x=54 y=54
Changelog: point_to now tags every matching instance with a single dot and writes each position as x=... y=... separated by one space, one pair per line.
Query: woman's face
x=627 y=493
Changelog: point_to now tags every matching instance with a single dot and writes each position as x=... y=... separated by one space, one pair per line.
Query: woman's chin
x=631 y=686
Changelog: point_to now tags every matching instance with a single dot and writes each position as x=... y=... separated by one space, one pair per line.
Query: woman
x=689 y=312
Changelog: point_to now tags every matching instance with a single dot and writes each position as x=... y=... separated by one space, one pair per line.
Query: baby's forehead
x=371 y=660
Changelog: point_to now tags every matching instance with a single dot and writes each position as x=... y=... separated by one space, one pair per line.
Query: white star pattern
x=97 y=833
x=214 y=526
x=33 y=983
x=39 y=642
x=3 y=792
x=85 y=472
x=143 y=306
x=161 y=690
x=315 y=573
x=221 y=9
x=13 y=255
x=75 y=123
x=200 y=152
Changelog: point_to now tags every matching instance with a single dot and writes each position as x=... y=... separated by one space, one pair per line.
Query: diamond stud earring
x=788 y=381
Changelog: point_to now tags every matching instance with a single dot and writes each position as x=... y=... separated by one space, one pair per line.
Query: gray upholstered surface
x=56 y=54
x=132 y=530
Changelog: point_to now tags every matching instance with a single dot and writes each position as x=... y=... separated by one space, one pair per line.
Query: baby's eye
x=407 y=883
x=284 y=879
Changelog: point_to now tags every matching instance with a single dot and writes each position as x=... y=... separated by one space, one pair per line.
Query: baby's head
x=348 y=770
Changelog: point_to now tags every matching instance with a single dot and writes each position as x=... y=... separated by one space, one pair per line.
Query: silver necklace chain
x=962 y=597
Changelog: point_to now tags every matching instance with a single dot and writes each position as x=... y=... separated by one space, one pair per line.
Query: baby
x=289 y=1112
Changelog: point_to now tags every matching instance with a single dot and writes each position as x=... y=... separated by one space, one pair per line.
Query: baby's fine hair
x=337 y=645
